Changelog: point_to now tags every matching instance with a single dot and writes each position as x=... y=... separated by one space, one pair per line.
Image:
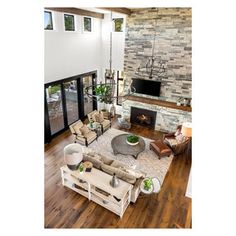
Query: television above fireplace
x=147 y=87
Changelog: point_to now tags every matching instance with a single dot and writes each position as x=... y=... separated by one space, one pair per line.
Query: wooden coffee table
x=120 y=146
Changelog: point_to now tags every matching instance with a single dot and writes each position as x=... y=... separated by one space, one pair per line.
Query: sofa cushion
x=119 y=173
x=105 y=159
x=135 y=173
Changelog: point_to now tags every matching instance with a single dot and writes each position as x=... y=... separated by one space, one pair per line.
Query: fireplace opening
x=143 y=117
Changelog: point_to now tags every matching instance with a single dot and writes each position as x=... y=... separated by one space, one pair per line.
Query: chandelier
x=152 y=66
x=106 y=92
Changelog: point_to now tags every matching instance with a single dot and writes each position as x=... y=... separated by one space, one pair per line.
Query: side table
x=96 y=128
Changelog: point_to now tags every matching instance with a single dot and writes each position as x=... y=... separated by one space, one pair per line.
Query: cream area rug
x=147 y=160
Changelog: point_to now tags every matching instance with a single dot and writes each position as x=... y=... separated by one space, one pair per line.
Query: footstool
x=160 y=148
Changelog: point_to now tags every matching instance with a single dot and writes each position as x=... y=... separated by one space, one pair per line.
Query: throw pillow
x=105 y=159
x=170 y=141
x=179 y=138
x=84 y=130
x=177 y=132
x=77 y=129
x=99 y=117
x=134 y=173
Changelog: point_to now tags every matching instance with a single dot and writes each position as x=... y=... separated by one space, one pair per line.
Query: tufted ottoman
x=160 y=148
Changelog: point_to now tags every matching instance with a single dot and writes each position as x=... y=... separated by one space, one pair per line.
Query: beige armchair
x=82 y=133
x=98 y=118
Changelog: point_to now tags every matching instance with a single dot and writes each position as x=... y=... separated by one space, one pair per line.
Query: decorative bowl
x=132 y=144
x=132 y=140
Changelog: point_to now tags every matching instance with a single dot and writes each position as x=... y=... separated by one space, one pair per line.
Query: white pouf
x=73 y=155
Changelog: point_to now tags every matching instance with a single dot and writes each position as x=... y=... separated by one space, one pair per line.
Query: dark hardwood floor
x=66 y=209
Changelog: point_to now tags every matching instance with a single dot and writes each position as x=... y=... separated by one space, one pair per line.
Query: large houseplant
x=104 y=93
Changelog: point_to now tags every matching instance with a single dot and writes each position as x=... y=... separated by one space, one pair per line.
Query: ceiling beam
x=122 y=10
x=76 y=11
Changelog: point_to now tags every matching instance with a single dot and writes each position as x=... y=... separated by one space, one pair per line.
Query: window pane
x=71 y=101
x=48 y=20
x=87 y=24
x=118 y=24
x=55 y=108
x=88 y=102
x=69 y=22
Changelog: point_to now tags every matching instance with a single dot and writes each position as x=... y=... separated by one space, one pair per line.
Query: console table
x=95 y=186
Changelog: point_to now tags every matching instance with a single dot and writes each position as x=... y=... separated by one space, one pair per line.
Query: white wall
x=71 y=53
x=118 y=43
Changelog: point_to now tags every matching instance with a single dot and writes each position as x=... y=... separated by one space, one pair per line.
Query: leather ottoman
x=160 y=148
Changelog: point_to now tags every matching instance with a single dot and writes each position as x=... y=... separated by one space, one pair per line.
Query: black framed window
x=87 y=24
x=48 y=24
x=118 y=24
x=69 y=22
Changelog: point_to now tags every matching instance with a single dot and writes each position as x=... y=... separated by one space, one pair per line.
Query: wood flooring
x=66 y=209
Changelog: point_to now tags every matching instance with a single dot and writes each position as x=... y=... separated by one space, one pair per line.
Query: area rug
x=147 y=160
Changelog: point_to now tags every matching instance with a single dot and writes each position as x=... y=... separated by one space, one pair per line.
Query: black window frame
x=69 y=15
x=48 y=136
x=51 y=20
x=91 y=27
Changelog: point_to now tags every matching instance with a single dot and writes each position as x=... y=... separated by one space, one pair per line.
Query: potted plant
x=147 y=184
x=104 y=93
x=81 y=169
x=132 y=139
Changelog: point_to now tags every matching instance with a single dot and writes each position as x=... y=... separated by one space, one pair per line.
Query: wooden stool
x=160 y=148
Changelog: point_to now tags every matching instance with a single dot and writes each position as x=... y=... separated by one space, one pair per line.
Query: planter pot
x=132 y=144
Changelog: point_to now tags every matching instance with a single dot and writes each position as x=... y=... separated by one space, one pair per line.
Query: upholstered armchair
x=176 y=141
x=82 y=133
x=98 y=118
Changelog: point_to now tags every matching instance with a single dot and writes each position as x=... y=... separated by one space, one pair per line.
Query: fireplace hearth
x=143 y=117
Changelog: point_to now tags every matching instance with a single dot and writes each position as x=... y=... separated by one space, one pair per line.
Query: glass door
x=54 y=105
x=88 y=102
x=71 y=97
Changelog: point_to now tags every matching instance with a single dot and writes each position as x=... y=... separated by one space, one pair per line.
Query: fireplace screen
x=143 y=117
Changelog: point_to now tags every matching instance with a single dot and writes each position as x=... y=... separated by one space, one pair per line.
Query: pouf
x=160 y=148
x=73 y=155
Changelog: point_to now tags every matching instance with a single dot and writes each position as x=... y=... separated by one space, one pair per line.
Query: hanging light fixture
x=152 y=67
x=105 y=92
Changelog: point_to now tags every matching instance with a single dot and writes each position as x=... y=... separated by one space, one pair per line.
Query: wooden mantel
x=159 y=103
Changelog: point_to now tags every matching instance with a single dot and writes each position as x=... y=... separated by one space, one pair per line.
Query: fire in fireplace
x=143 y=117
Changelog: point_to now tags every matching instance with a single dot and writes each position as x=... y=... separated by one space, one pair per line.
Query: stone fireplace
x=160 y=115
x=143 y=117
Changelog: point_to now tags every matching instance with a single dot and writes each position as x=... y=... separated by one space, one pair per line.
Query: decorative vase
x=113 y=110
x=114 y=181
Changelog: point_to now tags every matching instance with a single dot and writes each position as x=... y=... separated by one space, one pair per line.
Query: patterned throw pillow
x=99 y=117
x=77 y=129
x=84 y=130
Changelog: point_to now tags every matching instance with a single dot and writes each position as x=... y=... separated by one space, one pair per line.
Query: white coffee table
x=95 y=185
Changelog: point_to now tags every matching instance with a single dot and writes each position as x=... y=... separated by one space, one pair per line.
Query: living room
x=140 y=131
x=36 y=201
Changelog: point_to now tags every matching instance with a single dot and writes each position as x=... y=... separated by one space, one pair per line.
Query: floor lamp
x=187 y=132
